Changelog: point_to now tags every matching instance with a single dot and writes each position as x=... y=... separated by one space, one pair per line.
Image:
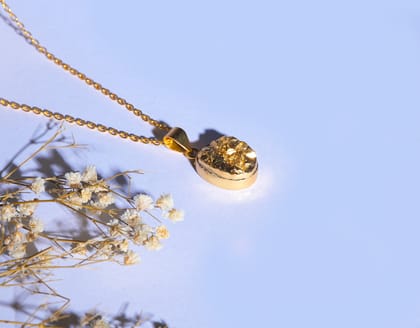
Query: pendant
x=227 y=162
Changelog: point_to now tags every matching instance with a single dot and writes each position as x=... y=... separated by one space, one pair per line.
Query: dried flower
x=131 y=258
x=131 y=217
x=86 y=195
x=38 y=185
x=31 y=237
x=89 y=174
x=99 y=323
x=17 y=237
x=73 y=179
x=99 y=186
x=165 y=202
x=117 y=229
x=17 y=251
x=75 y=201
x=141 y=233
x=105 y=199
x=36 y=225
x=7 y=212
x=108 y=231
x=153 y=243
x=123 y=245
x=143 y=202
x=162 y=232
x=27 y=208
x=176 y=215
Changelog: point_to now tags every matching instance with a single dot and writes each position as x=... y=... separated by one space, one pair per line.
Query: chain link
x=90 y=82
x=79 y=121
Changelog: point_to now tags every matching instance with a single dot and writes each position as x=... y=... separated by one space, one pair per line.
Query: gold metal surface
x=227 y=163
x=176 y=139
x=79 y=121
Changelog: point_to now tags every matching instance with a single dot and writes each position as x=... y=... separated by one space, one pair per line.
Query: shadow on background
x=206 y=138
x=72 y=319
x=203 y=140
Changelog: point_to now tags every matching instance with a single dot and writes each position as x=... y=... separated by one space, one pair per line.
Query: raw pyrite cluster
x=230 y=155
x=227 y=162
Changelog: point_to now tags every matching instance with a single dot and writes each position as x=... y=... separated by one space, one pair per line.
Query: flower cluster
x=95 y=200
x=114 y=220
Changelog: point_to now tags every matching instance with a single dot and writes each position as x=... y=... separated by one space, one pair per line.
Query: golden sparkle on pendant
x=227 y=162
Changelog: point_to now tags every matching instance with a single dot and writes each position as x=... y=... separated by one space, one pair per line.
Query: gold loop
x=177 y=140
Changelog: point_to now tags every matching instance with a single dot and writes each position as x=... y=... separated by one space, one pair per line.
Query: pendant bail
x=177 y=140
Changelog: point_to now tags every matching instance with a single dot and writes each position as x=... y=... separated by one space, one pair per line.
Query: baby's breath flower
x=123 y=245
x=107 y=249
x=140 y=234
x=143 y=202
x=116 y=228
x=36 y=225
x=131 y=217
x=73 y=179
x=7 y=240
x=17 y=251
x=89 y=174
x=92 y=320
x=31 y=237
x=27 y=209
x=131 y=258
x=7 y=212
x=153 y=243
x=17 y=237
x=99 y=323
x=165 y=202
x=162 y=232
x=176 y=215
x=38 y=185
x=86 y=195
x=75 y=201
x=105 y=199
x=14 y=244
x=100 y=186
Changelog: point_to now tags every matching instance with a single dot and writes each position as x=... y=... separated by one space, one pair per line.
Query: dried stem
x=112 y=220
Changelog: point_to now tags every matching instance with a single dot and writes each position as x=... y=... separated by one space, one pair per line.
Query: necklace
x=227 y=162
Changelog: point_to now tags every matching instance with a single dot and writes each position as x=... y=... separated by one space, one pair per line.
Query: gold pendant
x=227 y=162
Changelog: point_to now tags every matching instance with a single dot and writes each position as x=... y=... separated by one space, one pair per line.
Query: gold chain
x=92 y=83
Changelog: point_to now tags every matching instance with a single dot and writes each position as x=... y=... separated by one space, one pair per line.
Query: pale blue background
x=327 y=92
